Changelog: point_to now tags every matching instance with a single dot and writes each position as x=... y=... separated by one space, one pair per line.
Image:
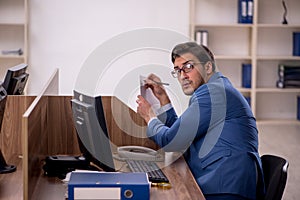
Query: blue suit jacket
x=218 y=136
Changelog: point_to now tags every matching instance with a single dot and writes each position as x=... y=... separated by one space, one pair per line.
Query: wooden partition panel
x=11 y=130
x=35 y=130
x=11 y=186
x=125 y=126
x=35 y=144
x=62 y=132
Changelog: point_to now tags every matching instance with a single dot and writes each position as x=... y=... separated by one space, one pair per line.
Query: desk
x=183 y=185
x=47 y=129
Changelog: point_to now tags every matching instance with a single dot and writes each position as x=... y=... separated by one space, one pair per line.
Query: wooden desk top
x=50 y=188
x=183 y=183
x=181 y=179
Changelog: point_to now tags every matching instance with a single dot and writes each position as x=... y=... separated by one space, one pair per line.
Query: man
x=217 y=132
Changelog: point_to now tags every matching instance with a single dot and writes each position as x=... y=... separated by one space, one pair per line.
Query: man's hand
x=144 y=109
x=158 y=90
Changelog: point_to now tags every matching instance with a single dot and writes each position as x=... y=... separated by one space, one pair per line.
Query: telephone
x=139 y=153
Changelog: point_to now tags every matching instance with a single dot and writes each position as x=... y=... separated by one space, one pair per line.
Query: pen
x=160 y=83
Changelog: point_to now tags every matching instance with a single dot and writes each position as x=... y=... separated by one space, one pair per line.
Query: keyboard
x=155 y=174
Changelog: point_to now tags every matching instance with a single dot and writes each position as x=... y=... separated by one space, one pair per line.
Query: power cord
x=285 y=13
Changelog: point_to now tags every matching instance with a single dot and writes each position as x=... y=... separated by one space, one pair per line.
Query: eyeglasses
x=186 y=68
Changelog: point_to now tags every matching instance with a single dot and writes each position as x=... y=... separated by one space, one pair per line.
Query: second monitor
x=16 y=79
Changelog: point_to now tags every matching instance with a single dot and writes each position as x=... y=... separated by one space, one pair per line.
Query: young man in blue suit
x=217 y=132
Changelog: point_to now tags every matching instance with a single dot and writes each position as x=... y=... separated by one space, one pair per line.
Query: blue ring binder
x=296 y=43
x=298 y=107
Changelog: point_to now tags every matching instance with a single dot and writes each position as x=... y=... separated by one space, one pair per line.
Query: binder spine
x=198 y=37
x=249 y=11
x=296 y=43
x=246 y=75
x=288 y=76
x=201 y=37
x=248 y=99
x=298 y=107
x=242 y=11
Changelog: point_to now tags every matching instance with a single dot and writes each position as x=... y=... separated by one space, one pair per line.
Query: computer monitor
x=93 y=137
x=4 y=167
x=16 y=79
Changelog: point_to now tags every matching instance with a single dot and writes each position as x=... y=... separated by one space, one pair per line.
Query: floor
x=284 y=141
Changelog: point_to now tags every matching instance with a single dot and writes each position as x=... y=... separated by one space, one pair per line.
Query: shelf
x=278 y=26
x=278 y=122
x=233 y=57
x=12 y=57
x=244 y=90
x=278 y=90
x=278 y=57
x=224 y=25
x=11 y=24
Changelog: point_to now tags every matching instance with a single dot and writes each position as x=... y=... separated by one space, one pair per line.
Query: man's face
x=193 y=79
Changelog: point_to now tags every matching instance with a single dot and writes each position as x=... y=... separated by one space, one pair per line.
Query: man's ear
x=209 y=67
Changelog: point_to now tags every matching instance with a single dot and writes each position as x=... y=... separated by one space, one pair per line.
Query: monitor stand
x=5 y=168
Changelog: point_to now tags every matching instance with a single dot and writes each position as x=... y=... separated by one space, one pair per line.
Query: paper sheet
x=148 y=94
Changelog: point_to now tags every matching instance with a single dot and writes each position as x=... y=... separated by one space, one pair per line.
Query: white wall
x=63 y=33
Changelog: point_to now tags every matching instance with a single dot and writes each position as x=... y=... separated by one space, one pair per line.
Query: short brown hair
x=201 y=52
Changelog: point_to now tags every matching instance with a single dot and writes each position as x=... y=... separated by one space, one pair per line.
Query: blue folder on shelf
x=242 y=11
x=298 y=107
x=108 y=185
x=246 y=75
x=296 y=43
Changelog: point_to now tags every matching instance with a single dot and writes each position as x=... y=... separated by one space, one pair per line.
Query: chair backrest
x=275 y=176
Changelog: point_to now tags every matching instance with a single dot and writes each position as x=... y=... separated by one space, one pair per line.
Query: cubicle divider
x=125 y=126
x=34 y=135
x=11 y=186
x=11 y=130
x=48 y=129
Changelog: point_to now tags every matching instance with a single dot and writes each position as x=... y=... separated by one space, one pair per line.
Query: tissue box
x=108 y=185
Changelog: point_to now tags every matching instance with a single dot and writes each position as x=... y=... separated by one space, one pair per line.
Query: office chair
x=275 y=176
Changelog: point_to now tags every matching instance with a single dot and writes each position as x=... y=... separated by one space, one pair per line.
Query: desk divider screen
x=48 y=129
x=34 y=135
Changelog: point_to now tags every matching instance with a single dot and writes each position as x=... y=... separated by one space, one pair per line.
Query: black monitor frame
x=93 y=137
x=15 y=80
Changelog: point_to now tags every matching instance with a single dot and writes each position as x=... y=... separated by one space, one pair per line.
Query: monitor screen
x=16 y=79
x=89 y=119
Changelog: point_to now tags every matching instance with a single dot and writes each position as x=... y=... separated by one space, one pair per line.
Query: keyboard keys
x=155 y=174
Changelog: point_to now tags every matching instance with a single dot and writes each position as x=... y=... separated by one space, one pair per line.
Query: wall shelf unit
x=13 y=33
x=265 y=43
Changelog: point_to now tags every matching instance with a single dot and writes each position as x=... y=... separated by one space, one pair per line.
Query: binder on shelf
x=296 y=43
x=298 y=107
x=288 y=84
x=108 y=185
x=246 y=75
x=245 y=11
x=249 y=12
x=288 y=76
x=248 y=99
x=242 y=11
x=202 y=37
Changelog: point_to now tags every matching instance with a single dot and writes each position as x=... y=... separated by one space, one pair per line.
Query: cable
x=285 y=13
